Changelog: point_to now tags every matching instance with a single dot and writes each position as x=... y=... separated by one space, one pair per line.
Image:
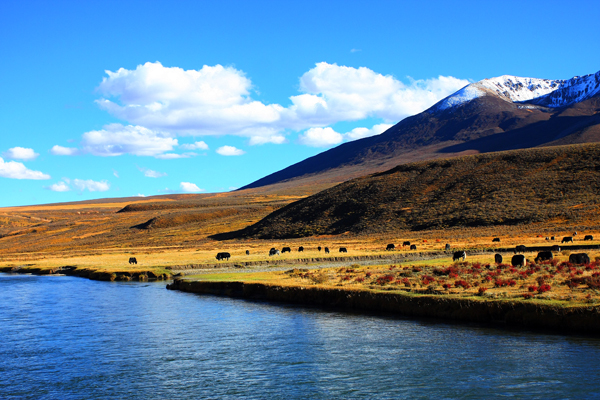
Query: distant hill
x=559 y=183
x=495 y=114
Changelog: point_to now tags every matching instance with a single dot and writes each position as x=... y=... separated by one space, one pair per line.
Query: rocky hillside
x=559 y=183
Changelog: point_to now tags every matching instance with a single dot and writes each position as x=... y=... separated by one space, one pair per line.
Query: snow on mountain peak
x=514 y=89
x=517 y=89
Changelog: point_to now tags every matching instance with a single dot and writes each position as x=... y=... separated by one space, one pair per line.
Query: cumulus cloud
x=17 y=170
x=229 y=151
x=63 y=151
x=152 y=174
x=189 y=187
x=336 y=93
x=320 y=137
x=324 y=137
x=195 y=146
x=91 y=185
x=59 y=187
x=20 y=153
x=117 y=139
x=216 y=100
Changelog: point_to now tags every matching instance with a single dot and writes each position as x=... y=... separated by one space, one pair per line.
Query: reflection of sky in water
x=68 y=337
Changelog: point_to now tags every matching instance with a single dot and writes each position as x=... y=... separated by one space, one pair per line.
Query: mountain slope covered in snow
x=514 y=89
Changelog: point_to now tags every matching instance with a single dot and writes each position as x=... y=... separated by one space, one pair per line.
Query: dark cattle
x=518 y=260
x=390 y=246
x=413 y=246
x=300 y=249
x=574 y=233
x=326 y=250
x=343 y=250
x=319 y=248
x=588 y=237
x=447 y=246
x=273 y=251
x=579 y=258
x=555 y=248
x=132 y=260
x=567 y=239
x=496 y=240
x=286 y=250
x=458 y=255
x=498 y=258
x=547 y=238
x=543 y=256
x=223 y=256
x=247 y=252
x=406 y=243
x=520 y=249
x=551 y=237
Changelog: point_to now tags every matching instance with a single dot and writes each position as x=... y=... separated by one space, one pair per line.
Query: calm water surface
x=72 y=338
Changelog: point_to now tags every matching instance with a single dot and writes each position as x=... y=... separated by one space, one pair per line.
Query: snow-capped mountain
x=514 y=89
x=491 y=115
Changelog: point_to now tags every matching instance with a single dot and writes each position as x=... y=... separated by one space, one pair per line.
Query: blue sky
x=209 y=96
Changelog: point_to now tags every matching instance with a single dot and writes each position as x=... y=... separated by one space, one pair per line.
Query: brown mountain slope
x=485 y=124
x=505 y=188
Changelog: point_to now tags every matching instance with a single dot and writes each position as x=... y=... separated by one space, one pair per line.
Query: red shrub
x=382 y=280
x=462 y=283
x=544 y=288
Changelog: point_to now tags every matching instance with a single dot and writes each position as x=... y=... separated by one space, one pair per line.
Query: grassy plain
x=552 y=282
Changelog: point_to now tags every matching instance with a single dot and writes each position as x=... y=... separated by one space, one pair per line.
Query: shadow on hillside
x=533 y=135
x=228 y=235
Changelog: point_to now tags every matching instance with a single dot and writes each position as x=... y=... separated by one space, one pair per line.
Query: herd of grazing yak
x=516 y=261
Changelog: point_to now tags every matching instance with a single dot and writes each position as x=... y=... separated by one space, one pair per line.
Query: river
x=73 y=338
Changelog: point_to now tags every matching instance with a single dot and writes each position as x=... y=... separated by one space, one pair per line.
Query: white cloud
x=115 y=173
x=20 y=153
x=172 y=156
x=90 y=185
x=359 y=133
x=338 y=93
x=140 y=195
x=152 y=174
x=277 y=139
x=195 y=146
x=189 y=187
x=59 y=187
x=117 y=139
x=63 y=151
x=229 y=151
x=17 y=170
x=320 y=137
x=216 y=100
x=324 y=137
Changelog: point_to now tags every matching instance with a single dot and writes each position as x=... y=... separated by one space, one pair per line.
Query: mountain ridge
x=472 y=124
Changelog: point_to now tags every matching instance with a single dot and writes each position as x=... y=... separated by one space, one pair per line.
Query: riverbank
x=93 y=274
x=526 y=314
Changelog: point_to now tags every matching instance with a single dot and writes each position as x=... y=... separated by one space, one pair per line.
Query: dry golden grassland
x=98 y=237
x=557 y=281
